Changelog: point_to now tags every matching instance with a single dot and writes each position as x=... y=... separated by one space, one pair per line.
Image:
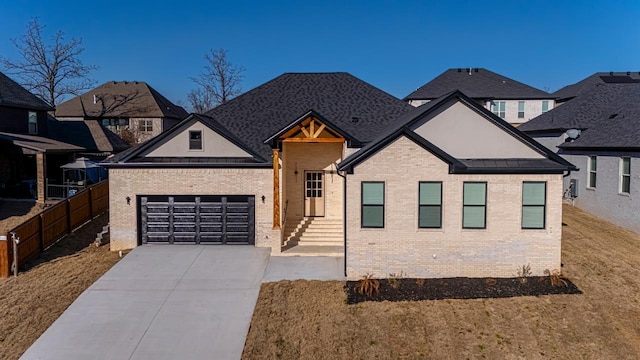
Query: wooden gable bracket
x=311 y=129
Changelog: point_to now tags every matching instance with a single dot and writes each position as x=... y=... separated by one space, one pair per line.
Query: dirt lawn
x=310 y=320
x=14 y=213
x=30 y=303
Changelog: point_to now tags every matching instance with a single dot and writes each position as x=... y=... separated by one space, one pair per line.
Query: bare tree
x=219 y=83
x=50 y=70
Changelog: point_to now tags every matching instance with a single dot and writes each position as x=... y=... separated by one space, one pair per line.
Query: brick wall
x=497 y=251
x=133 y=182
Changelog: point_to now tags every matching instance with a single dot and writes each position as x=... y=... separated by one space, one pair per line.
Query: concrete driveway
x=162 y=302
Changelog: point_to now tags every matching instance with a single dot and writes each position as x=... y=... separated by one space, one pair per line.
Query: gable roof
x=89 y=134
x=14 y=95
x=476 y=83
x=121 y=99
x=551 y=164
x=353 y=106
x=570 y=91
x=136 y=155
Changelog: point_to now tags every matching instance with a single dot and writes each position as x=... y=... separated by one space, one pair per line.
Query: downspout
x=344 y=216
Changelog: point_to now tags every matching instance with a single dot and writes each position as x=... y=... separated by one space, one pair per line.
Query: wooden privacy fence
x=47 y=227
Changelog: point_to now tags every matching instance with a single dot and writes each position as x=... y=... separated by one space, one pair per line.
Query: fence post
x=41 y=222
x=4 y=257
x=68 y=211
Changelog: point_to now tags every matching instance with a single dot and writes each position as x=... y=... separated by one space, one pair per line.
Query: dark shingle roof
x=121 y=99
x=356 y=107
x=477 y=84
x=39 y=143
x=607 y=114
x=14 y=95
x=570 y=91
x=89 y=134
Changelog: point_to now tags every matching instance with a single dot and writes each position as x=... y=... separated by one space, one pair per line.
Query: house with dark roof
x=509 y=99
x=598 y=130
x=29 y=156
x=327 y=164
x=132 y=109
x=571 y=91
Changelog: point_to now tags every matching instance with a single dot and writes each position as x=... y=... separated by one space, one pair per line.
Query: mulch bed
x=458 y=288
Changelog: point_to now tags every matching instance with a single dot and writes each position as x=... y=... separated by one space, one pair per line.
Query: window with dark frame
x=372 y=209
x=593 y=168
x=474 y=205
x=33 y=123
x=430 y=205
x=534 y=202
x=625 y=175
x=195 y=140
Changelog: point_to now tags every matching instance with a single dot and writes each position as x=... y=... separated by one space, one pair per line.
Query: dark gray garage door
x=197 y=219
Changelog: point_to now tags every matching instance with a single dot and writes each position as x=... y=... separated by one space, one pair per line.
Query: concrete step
x=309 y=250
x=329 y=230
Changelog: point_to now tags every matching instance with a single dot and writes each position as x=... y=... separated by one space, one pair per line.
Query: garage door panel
x=197 y=219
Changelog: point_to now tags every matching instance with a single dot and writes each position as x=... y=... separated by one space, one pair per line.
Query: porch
x=307 y=182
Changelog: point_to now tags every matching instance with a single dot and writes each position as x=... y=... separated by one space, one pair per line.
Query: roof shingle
x=476 y=84
x=14 y=95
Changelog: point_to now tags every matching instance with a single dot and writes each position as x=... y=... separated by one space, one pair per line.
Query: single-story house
x=327 y=160
x=598 y=130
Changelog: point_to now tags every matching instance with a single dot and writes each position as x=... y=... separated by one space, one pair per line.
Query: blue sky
x=394 y=45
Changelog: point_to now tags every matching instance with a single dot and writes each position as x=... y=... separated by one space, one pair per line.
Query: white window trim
x=201 y=140
x=29 y=123
x=523 y=109
x=621 y=175
x=589 y=172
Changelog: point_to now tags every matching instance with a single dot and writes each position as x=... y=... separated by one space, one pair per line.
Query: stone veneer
x=401 y=247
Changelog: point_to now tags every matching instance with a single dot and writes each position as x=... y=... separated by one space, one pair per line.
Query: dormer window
x=195 y=140
x=33 y=123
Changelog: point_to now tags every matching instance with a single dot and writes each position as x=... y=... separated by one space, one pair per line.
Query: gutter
x=344 y=217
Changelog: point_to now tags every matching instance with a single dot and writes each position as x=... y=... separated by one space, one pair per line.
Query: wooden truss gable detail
x=311 y=130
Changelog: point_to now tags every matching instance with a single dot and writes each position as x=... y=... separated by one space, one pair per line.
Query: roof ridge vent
x=613 y=116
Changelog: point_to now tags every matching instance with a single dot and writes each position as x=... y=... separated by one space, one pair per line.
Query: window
x=592 y=168
x=115 y=124
x=534 y=197
x=498 y=108
x=145 y=125
x=474 y=208
x=33 y=123
x=372 y=204
x=545 y=106
x=430 y=205
x=520 y=109
x=195 y=140
x=625 y=175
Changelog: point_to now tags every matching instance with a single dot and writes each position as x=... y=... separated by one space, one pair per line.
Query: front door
x=314 y=193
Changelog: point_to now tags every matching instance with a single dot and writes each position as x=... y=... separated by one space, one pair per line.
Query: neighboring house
x=28 y=154
x=511 y=100
x=132 y=109
x=324 y=161
x=599 y=131
x=98 y=141
x=571 y=91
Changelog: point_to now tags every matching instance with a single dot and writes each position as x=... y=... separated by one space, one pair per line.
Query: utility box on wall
x=573 y=187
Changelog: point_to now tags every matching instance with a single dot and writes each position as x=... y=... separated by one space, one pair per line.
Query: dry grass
x=15 y=212
x=310 y=320
x=30 y=303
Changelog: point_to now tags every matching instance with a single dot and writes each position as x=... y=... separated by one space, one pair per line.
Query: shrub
x=556 y=278
x=368 y=286
x=394 y=279
x=524 y=273
x=491 y=281
x=420 y=282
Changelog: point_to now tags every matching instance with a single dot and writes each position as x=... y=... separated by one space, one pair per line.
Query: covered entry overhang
x=49 y=154
x=310 y=128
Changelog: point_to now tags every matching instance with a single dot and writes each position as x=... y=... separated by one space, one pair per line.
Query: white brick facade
x=131 y=183
x=497 y=251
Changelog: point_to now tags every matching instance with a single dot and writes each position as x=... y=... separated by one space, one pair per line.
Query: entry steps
x=315 y=231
